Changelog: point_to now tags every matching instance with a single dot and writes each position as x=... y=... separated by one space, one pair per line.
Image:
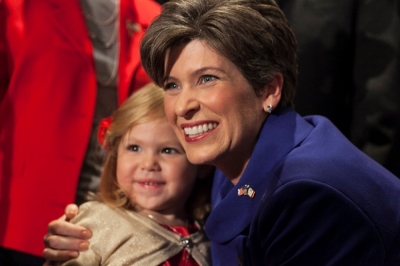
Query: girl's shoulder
x=94 y=214
x=94 y=208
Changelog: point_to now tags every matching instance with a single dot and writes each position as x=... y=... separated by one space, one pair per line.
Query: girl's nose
x=150 y=162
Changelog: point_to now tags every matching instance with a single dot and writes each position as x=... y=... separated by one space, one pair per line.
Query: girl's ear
x=205 y=171
x=272 y=93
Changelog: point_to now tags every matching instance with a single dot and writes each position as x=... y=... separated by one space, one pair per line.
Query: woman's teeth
x=192 y=131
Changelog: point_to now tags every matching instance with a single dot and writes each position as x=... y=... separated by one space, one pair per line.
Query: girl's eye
x=169 y=151
x=134 y=148
x=170 y=86
x=208 y=78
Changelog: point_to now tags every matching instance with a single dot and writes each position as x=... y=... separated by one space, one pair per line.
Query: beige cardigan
x=123 y=237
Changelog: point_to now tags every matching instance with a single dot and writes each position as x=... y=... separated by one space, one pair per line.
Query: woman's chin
x=199 y=158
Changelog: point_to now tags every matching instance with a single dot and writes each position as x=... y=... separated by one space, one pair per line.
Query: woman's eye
x=170 y=86
x=135 y=148
x=169 y=151
x=205 y=79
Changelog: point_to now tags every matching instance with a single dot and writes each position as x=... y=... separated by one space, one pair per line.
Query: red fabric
x=47 y=99
x=182 y=258
x=104 y=125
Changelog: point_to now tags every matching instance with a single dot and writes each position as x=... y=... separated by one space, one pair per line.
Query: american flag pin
x=246 y=190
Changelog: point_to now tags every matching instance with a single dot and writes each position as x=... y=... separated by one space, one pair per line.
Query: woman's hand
x=64 y=240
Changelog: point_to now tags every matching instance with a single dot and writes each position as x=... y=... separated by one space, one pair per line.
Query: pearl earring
x=268 y=109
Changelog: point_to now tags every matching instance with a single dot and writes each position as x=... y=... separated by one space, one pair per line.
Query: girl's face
x=152 y=169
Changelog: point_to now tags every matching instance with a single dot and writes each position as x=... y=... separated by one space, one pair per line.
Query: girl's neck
x=166 y=219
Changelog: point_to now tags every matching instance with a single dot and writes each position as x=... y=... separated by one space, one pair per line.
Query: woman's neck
x=233 y=168
x=235 y=161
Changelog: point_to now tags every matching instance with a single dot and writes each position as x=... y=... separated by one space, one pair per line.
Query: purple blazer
x=318 y=201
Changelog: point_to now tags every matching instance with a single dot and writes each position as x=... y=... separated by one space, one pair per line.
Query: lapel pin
x=246 y=190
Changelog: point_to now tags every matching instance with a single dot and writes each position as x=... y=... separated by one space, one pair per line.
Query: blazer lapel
x=233 y=214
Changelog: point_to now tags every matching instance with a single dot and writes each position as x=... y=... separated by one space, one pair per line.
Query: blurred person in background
x=64 y=65
x=349 y=70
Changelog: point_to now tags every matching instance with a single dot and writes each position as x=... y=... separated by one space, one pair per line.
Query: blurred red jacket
x=47 y=102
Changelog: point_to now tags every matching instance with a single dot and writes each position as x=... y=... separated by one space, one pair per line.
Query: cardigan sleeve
x=310 y=223
x=123 y=237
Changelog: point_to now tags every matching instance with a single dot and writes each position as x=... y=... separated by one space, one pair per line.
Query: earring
x=268 y=109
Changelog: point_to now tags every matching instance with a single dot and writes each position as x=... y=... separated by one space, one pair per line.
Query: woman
x=288 y=190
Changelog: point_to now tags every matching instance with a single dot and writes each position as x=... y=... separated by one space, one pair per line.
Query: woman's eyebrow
x=205 y=69
x=196 y=72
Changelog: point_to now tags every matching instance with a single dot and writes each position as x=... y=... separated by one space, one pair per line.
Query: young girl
x=150 y=196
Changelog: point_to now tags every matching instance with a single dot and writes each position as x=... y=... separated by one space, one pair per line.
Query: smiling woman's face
x=213 y=110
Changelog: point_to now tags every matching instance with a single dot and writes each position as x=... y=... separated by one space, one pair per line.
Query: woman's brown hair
x=253 y=34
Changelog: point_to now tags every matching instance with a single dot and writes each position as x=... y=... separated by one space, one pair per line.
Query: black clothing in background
x=161 y=1
x=349 y=70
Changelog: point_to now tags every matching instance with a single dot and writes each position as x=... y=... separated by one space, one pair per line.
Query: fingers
x=65 y=243
x=71 y=211
x=62 y=248
x=64 y=240
x=63 y=229
x=52 y=255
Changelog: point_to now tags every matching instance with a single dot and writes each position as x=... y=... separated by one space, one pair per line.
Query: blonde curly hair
x=145 y=105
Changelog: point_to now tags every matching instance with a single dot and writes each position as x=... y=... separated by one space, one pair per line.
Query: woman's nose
x=186 y=103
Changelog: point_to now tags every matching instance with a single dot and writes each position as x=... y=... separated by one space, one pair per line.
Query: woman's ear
x=272 y=93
